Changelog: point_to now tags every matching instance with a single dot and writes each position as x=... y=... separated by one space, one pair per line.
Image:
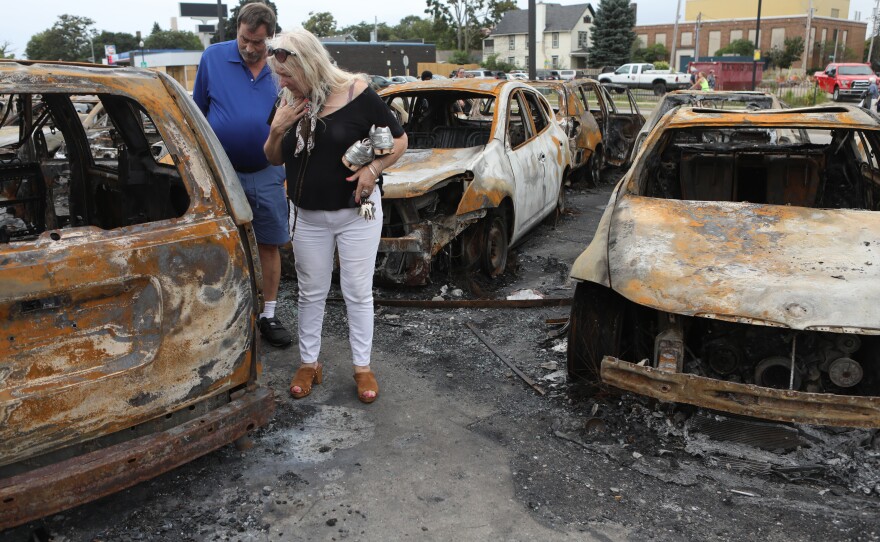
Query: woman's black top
x=324 y=185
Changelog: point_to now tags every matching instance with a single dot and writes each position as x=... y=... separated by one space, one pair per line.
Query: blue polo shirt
x=236 y=105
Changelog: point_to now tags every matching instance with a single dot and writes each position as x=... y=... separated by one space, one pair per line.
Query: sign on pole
x=198 y=11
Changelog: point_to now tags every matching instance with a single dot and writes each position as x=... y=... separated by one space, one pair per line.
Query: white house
x=562 y=44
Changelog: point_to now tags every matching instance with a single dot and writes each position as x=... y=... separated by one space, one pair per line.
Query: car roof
x=838 y=116
x=487 y=85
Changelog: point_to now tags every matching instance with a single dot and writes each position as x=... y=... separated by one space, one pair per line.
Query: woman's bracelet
x=370 y=165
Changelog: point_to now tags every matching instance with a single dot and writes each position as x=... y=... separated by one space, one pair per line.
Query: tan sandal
x=366 y=381
x=304 y=378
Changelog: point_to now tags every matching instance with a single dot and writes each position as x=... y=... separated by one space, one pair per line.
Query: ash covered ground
x=459 y=448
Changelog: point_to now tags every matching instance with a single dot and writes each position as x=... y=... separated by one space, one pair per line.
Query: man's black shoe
x=273 y=331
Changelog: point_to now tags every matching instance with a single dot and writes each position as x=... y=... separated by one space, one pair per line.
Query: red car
x=845 y=80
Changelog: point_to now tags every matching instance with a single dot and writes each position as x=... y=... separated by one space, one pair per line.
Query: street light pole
x=141 y=45
x=757 y=54
x=672 y=62
x=92 y=43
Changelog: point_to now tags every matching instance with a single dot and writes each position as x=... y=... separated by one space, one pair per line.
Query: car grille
x=860 y=84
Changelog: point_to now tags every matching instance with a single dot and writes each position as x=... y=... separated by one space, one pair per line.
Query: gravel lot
x=459 y=448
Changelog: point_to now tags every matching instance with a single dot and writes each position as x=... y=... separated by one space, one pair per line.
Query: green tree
x=68 y=39
x=467 y=17
x=459 y=57
x=492 y=63
x=321 y=24
x=173 y=39
x=5 y=51
x=783 y=57
x=651 y=54
x=741 y=47
x=612 y=33
x=230 y=28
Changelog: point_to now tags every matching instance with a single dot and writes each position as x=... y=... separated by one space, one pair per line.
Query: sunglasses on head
x=280 y=54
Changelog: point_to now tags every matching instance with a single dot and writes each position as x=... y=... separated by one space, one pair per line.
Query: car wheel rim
x=496 y=248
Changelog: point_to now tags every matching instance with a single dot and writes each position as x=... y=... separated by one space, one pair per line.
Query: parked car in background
x=379 y=82
x=486 y=162
x=725 y=100
x=480 y=74
x=400 y=79
x=519 y=76
x=736 y=268
x=546 y=75
x=129 y=289
x=584 y=136
x=641 y=75
x=845 y=80
x=567 y=74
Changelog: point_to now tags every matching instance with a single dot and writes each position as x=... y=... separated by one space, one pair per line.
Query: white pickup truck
x=645 y=76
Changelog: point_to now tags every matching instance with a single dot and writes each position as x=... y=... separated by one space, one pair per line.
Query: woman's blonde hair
x=311 y=59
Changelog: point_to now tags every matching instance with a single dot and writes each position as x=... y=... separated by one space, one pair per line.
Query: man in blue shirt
x=235 y=90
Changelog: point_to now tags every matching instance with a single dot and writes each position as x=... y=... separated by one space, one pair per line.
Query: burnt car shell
x=129 y=290
x=736 y=268
x=584 y=135
x=485 y=163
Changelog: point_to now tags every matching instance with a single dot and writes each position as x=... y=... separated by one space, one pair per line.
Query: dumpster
x=730 y=75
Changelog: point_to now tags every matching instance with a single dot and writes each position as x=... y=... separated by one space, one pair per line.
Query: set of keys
x=368 y=209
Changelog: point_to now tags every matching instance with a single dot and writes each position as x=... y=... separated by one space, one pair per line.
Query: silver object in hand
x=360 y=153
x=383 y=141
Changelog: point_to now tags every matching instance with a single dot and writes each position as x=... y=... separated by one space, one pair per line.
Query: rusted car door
x=622 y=123
x=132 y=296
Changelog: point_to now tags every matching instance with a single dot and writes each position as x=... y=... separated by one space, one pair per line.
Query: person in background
x=460 y=74
x=711 y=79
x=427 y=75
x=701 y=83
x=323 y=111
x=235 y=90
x=693 y=75
x=870 y=95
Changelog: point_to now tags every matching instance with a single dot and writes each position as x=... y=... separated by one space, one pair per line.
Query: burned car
x=736 y=268
x=584 y=136
x=715 y=99
x=589 y=103
x=128 y=289
x=486 y=162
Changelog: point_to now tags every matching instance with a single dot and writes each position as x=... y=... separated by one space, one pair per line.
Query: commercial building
x=710 y=25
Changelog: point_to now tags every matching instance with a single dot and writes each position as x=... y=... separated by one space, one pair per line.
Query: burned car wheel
x=493 y=256
x=595 y=330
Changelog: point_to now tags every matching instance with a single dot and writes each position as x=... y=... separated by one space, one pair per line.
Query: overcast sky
x=21 y=21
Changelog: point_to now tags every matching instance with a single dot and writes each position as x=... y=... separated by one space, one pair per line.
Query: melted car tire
x=595 y=330
x=493 y=255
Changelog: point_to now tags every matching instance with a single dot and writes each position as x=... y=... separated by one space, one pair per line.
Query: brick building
x=713 y=35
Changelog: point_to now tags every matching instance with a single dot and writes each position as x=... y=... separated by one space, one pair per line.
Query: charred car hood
x=419 y=170
x=774 y=265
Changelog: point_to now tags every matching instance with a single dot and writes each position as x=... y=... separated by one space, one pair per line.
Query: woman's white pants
x=316 y=236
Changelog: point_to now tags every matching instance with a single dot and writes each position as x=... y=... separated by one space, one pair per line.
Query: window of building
x=555 y=40
x=714 y=41
x=752 y=37
x=835 y=13
x=511 y=43
x=736 y=35
x=511 y=60
x=687 y=39
x=554 y=60
x=489 y=45
x=643 y=40
x=661 y=39
x=526 y=65
x=583 y=40
x=777 y=37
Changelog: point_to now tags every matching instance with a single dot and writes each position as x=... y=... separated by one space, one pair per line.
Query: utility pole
x=221 y=28
x=873 y=32
x=697 y=37
x=757 y=54
x=807 y=50
x=675 y=37
x=533 y=20
x=836 y=41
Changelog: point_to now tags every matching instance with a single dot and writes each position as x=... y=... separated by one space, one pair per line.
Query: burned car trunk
x=736 y=268
x=486 y=162
x=129 y=289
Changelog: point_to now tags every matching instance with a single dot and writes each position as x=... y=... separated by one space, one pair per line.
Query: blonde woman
x=322 y=111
